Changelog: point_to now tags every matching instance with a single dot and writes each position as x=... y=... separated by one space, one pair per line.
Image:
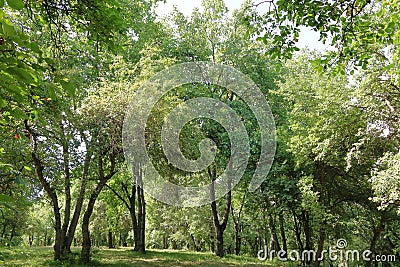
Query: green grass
x=127 y=257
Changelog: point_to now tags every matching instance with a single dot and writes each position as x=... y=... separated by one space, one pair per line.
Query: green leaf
x=35 y=48
x=16 y=4
x=8 y=28
x=68 y=87
x=28 y=168
x=18 y=114
x=6 y=198
x=1 y=3
x=20 y=181
x=23 y=75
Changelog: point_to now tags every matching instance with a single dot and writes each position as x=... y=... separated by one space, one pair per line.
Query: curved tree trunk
x=377 y=232
x=128 y=198
x=219 y=227
x=69 y=238
x=86 y=242
x=50 y=192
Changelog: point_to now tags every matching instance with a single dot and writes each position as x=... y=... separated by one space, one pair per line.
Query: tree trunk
x=219 y=227
x=79 y=203
x=377 y=234
x=110 y=240
x=283 y=235
x=212 y=239
x=321 y=241
x=51 y=193
x=12 y=232
x=140 y=232
x=219 y=234
x=297 y=232
x=307 y=230
x=58 y=238
x=238 y=226
x=273 y=240
x=86 y=242
x=238 y=239
x=141 y=224
x=67 y=191
x=165 y=242
x=129 y=200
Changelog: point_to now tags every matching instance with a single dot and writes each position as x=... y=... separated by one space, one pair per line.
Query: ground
x=127 y=257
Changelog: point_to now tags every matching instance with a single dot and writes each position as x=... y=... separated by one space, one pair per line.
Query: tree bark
x=67 y=189
x=110 y=240
x=377 y=232
x=297 y=231
x=129 y=200
x=273 y=240
x=141 y=231
x=212 y=238
x=238 y=226
x=219 y=227
x=64 y=229
x=79 y=203
x=283 y=234
x=86 y=242
x=321 y=241
x=50 y=192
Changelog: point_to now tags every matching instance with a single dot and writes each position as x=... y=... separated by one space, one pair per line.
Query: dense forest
x=70 y=70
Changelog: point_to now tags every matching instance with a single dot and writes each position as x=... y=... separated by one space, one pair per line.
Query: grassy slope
x=127 y=257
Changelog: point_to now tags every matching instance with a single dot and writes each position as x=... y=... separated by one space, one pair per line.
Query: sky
x=307 y=38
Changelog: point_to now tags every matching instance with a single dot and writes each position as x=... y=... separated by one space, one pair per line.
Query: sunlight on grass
x=127 y=257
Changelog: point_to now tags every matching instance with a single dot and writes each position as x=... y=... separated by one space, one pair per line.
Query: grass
x=125 y=257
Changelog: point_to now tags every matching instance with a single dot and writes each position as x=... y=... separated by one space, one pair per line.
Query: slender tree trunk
x=212 y=238
x=50 y=192
x=297 y=232
x=79 y=203
x=86 y=242
x=273 y=240
x=321 y=241
x=12 y=232
x=307 y=230
x=376 y=235
x=67 y=191
x=3 y=232
x=129 y=200
x=195 y=246
x=58 y=236
x=283 y=234
x=238 y=226
x=307 y=234
x=140 y=232
x=238 y=239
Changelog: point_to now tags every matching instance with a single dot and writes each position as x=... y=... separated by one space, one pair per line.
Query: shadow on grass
x=127 y=257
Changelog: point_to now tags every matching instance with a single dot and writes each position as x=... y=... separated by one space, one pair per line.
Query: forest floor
x=42 y=256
